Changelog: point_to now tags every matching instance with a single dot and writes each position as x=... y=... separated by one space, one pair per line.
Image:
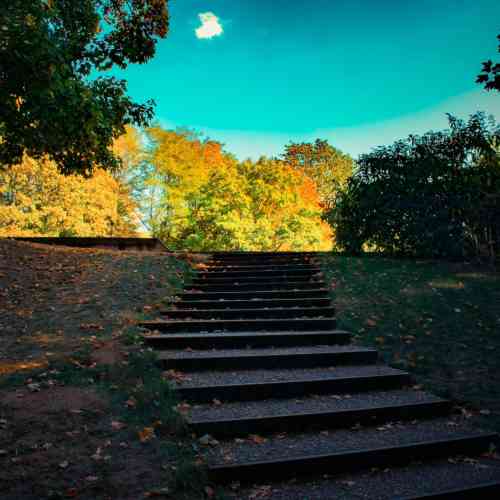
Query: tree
x=194 y=195
x=328 y=167
x=490 y=74
x=36 y=199
x=52 y=101
x=430 y=195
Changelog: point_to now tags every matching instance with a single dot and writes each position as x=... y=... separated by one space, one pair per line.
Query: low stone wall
x=137 y=244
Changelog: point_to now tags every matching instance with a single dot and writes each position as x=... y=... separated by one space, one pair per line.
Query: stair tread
x=412 y=481
x=265 y=267
x=308 y=405
x=235 y=294
x=341 y=441
x=252 y=303
x=248 y=353
x=249 y=334
x=159 y=322
x=266 y=376
x=245 y=311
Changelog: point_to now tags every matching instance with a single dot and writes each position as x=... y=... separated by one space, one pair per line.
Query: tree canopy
x=53 y=103
x=434 y=195
x=194 y=195
x=490 y=74
x=328 y=167
x=36 y=199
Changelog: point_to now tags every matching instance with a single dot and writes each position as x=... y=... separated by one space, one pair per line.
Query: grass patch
x=438 y=320
x=90 y=416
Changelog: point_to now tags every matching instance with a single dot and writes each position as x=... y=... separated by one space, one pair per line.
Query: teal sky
x=357 y=72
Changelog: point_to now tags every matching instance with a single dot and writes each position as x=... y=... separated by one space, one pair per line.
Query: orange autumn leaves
x=183 y=188
x=197 y=196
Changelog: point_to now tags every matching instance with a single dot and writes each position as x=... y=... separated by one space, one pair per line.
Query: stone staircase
x=287 y=408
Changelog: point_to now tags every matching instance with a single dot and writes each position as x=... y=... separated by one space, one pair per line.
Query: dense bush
x=430 y=195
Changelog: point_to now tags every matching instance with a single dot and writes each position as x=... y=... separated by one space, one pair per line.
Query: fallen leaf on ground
x=116 y=425
x=146 y=434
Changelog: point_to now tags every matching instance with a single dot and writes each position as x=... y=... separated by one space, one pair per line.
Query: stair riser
x=257 y=274
x=243 y=325
x=292 y=294
x=219 y=342
x=259 y=261
x=345 y=462
x=272 y=361
x=253 y=392
x=257 y=287
x=485 y=491
x=251 y=304
x=253 y=279
x=317 y=421
x=262 y=268
x=328 y=312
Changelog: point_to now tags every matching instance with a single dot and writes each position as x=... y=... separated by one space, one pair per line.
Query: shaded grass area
x=440 y=321
x=85 y=411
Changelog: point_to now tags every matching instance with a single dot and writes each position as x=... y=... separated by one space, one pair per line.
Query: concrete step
x=313 y=413
x=251 y=304
x=257 y=294
x=442 y=478
x=237 y=340
x=252 y=385
x=288 y=357
x=342 y=451
x=256 y=279
x=234 y=325
x=256 y=286
x=261 y=313
x=289 y=273
x=261 y=268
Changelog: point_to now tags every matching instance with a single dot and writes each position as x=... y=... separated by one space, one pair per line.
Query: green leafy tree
x=490 y=74
x=328 y=167
x=433 y=195
x=53 y=103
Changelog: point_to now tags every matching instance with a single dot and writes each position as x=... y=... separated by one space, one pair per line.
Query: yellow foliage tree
x=36 y=199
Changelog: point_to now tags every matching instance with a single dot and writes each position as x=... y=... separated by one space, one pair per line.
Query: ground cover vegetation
x=85 y=412
x=440 y=320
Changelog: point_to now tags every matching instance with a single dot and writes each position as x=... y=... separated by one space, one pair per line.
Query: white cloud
x=210 y=26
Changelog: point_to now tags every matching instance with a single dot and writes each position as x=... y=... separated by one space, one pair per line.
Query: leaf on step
x=263 y=491
x=216 y=402
x=175 y=376
x=370 y=322
x=255 y=438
